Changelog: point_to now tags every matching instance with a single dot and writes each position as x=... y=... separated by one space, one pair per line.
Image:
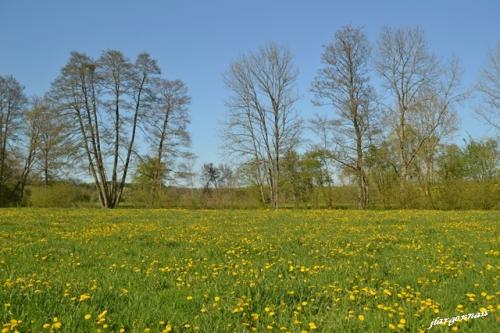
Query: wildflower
x=87 y=317
x=56 y=325
x=361 y=317
x=312 y=326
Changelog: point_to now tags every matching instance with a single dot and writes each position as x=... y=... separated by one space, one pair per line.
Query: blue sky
x=197 y=40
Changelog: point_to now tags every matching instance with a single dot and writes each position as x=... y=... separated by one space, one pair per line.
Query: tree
x=343 y=83
x=489 y=87
x=382 y=171
x=56 y=148
x=31 y=128
x=13 y=105
x=216 y=176
x=262 y=125
x=167 y=128
x=105 y=100
x=322 y=128
x=149 y=171
x=210 y=175
x=422 y=90
x=482 y=160
x=451 y=163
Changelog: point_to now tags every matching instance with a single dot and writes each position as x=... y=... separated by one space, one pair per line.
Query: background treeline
x=113 y=131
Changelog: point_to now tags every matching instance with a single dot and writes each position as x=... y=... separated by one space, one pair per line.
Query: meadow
x=77 y=270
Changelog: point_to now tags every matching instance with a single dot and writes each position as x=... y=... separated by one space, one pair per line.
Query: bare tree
x=343 y=83
x=419 y=86
x=167 y=128
x=489 y=87
x=32 y=129
x=262 y=125
x=210 y=175
x=13 y=103
x=56 y=147
x=13 y=133
x=434 y=122
x=106 y=98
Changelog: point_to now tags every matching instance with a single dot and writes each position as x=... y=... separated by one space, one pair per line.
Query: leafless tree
x=106 y=98
x=31 y=129
x=489 y=87
x=262 y=125
x=343 y=83
x=13 y=104
x=420 y=87
x=167 y=128
x=56 y=146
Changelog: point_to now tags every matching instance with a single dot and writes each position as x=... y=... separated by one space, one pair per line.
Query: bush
x=460 y=194
x=60 y=195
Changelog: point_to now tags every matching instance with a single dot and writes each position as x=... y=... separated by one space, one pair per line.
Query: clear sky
x=197 y=40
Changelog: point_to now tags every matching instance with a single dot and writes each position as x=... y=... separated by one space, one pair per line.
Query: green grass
x=217 y=271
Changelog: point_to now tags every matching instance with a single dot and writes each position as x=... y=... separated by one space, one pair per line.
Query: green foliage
x=462 y=194
x=150 y=170
x=60 y=195
x=478 y=161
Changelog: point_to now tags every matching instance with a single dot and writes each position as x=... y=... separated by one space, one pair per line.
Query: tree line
x=122 y=127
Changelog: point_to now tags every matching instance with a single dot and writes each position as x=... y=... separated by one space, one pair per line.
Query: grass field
x=243 y=271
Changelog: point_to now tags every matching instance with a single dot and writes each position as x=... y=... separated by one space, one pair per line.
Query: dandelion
x=56 y=325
